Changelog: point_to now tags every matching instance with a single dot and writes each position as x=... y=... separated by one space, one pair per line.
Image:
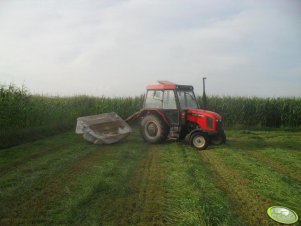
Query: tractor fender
x=195 y=131
x=192 y=132
x=156 y=112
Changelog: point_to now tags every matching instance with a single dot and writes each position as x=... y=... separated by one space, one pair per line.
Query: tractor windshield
x=187 y=99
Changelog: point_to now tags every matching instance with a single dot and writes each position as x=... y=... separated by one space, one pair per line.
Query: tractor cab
x=172 y=111
x=172 y=100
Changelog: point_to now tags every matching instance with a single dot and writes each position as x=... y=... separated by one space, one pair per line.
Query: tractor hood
x=203 y=113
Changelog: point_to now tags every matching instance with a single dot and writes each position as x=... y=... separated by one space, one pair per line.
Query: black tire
x=218 y=138
x=199 y=141
x=153 y=129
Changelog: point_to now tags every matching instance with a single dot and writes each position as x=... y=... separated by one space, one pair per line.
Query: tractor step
x=173 y=133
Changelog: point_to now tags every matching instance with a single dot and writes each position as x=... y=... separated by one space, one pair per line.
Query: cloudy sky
x=116 y=48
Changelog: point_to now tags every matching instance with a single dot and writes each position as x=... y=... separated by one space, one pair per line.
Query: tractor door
x=163 y=100
x=170 y=107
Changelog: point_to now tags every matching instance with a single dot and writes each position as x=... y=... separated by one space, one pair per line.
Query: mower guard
x=107 y=128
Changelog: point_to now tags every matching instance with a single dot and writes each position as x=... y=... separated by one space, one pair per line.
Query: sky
x=116 y=48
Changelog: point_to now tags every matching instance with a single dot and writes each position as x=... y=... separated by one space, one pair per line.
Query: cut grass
x=144 y=203
x=193 y=199
x=279 y=180
x=62 y=180
x=250 y=206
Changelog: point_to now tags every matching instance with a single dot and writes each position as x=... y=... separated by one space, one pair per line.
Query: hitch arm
x=133 y=117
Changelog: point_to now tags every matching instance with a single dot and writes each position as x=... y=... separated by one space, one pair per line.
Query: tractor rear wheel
x=153 y=129
x=199 y=141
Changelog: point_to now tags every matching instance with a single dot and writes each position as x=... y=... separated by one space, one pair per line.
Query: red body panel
x=161 y=87
x=199 y=116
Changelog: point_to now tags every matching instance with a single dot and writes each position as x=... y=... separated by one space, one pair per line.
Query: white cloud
x=116 y=48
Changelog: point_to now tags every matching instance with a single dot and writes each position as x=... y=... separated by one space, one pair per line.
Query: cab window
x=160 y=99
x=169 y=101
x=154 y=99
x=187 y=99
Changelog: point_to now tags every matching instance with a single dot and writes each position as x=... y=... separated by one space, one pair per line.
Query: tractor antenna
x=204 y=94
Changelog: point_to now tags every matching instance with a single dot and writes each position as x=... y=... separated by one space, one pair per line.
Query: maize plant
x=22 y=113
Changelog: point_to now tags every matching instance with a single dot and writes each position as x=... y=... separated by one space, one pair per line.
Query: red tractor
x=171 y=111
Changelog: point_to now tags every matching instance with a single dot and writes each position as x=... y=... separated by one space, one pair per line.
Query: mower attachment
x=105 y=128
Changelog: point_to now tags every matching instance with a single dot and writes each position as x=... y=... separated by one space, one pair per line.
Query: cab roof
x=165 y=85
x=161 y=86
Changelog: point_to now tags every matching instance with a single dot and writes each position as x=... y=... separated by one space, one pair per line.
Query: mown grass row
x=258 y=170
x=75 y=183
x=25 y=117
x=63 y=180
x=192 y=196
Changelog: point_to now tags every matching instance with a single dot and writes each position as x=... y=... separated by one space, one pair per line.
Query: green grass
x=63 y=180
x=193 y=198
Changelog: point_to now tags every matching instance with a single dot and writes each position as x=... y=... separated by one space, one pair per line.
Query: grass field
x=62 y=180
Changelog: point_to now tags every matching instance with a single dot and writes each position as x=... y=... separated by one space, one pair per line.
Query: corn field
x=24 y=117
x=255 y=112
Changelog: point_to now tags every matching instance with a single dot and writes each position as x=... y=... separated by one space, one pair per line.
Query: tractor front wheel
x=199 y=141
x=218 y=138
x=153 y=129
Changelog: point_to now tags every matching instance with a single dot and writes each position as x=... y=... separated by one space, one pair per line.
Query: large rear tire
x=153 y=129
x=199 y=141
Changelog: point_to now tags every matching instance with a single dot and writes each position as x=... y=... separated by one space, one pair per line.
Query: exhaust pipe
x=204 y=94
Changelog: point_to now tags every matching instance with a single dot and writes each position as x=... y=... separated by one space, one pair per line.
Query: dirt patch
x=251 y=207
